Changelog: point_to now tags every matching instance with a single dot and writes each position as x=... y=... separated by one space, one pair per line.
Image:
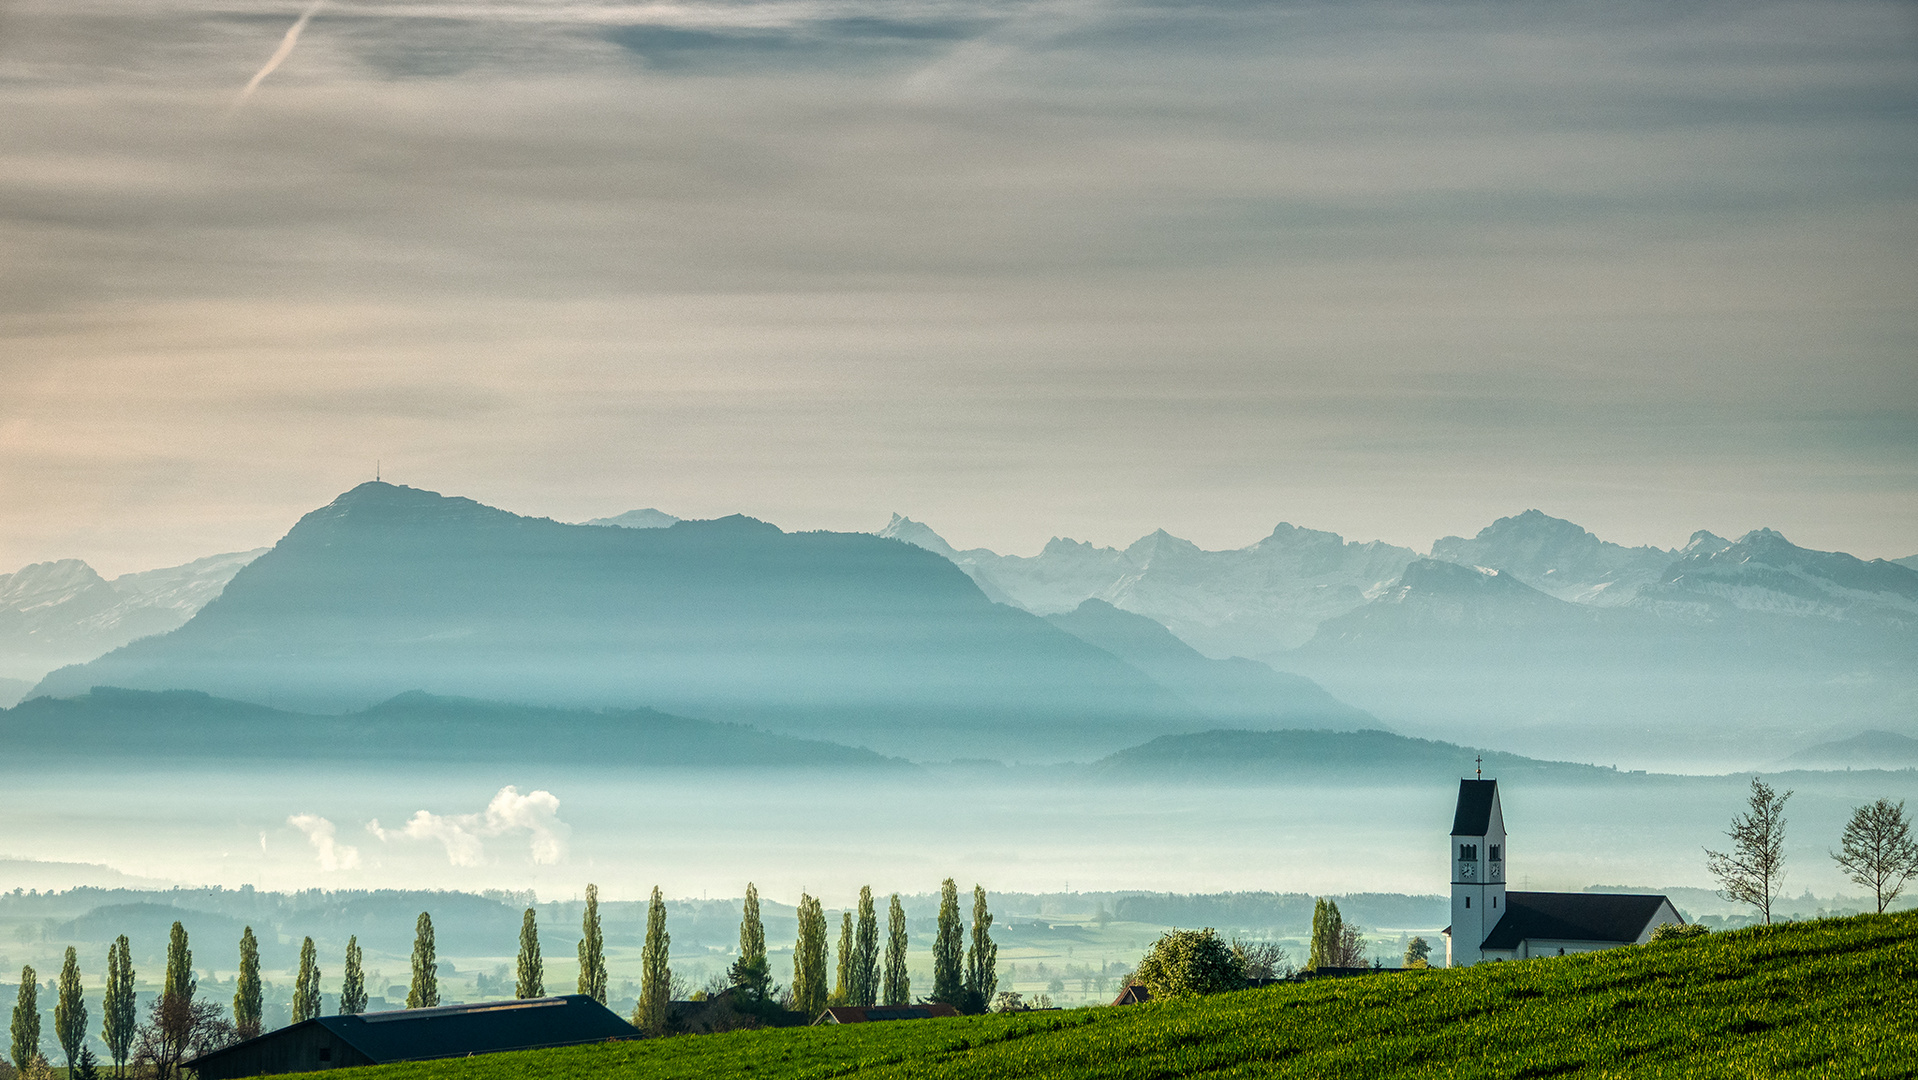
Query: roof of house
x=1474 y=815
x=458 y=1030
x=1132 y=995
x=855 y=1014
x=1611 y=917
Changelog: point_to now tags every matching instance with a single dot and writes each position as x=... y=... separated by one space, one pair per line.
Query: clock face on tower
x=1467 y=871
x=1498 y=871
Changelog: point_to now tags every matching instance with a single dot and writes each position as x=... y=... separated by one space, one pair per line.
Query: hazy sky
x=1017 y=269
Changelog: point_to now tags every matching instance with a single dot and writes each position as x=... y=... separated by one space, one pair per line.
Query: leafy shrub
x=1186 y=963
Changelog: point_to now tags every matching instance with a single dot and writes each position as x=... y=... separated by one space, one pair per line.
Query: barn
x=872 y=1014
x=488 y=1027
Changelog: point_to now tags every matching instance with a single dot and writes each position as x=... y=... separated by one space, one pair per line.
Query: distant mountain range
x=1534 y=634
x=64 y=612
x=1252 y=601
x=843 y=636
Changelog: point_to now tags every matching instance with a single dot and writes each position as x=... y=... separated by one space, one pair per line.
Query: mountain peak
x=1157 y=543
x=918 y=534
x=1706 y=543
x=648 y=518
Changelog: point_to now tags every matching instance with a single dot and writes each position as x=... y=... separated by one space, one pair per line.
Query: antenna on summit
x=376 y=470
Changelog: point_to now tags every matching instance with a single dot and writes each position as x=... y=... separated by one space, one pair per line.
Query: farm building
x=853 y=1014
x=336 y=1042
x=1490 y=923
x=1133 y=994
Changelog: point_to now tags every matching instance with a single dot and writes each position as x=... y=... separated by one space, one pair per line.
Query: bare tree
x=1751 y=872
x=1263 y=960
x=179 y=1029
x=1878 y=850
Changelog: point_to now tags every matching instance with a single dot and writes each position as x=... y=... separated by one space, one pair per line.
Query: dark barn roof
x=1133 y=994
x=1474 y=816
x=1612 y=917
x=853 y=1014
x=453 y=1031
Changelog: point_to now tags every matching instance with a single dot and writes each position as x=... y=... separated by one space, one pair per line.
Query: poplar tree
x=842 y=971
x=1328 y=936
x=948 y=948
x=70 y=1011
x=592 y=950
x=306 y=985
x=353 y=986
x=180 y=982
x=809 y=958
x=865 y=958
x=119 y=1018
x=246 y=994
x=898 y=988
x=982 y=960
x=424 y=993
x=26 y=1020
x=655 y=977
x=751 y=974
x=532 y=969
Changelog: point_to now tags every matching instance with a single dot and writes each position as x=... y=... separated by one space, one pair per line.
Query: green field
x=1833 y=997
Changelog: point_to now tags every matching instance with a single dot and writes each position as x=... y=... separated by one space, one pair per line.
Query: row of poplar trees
x=962 y=977
x=965 y=978
x=177 y=1027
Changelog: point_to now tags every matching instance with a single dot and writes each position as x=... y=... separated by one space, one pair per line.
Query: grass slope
x=1830 y=998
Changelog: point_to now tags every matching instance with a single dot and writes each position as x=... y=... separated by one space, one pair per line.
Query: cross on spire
x=1480 y=762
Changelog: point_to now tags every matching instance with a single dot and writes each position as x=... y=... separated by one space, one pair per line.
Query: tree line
x=180 y=1026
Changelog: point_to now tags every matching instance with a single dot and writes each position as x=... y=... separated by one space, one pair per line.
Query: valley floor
x=1826 y=998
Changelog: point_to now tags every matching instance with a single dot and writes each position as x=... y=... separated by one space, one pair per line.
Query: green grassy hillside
x=1828 y=998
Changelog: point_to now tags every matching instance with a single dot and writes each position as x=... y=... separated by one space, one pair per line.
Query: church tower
x=1478 y=870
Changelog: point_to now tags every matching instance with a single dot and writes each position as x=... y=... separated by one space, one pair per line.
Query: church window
x=1468 y=901
x=1495 y=852
x=1468 y=852
x=1494 y=901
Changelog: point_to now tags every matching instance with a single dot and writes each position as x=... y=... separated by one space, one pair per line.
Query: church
x=1490 y=923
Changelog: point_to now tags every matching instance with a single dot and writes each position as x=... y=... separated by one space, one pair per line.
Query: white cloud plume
x=320 y=832
x=535 y=813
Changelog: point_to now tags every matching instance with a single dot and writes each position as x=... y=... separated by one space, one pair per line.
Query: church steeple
x=1477 y=854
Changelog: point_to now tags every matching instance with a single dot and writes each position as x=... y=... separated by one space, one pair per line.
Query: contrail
x=285 y=50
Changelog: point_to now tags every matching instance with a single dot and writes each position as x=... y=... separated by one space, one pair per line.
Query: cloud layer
x=534 y=815
x=1071 y=266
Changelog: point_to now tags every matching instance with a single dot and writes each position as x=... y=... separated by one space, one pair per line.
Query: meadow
x=1833 y=997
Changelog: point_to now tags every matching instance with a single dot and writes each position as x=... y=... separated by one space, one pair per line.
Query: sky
x=1015 y=269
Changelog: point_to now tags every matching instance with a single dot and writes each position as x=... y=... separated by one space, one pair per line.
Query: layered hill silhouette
x=114 y=723
x=849 y=637
x=1304 y=755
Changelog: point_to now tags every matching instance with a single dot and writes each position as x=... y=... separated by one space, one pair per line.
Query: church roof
x=1475 y=799
x=1610 y=917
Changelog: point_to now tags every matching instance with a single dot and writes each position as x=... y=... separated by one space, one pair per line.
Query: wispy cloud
x=535 y=814
x=321 y=833
x=280 y=54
